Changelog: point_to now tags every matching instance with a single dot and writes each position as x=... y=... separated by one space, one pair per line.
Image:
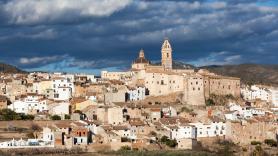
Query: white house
x=238 y=112
x=182 y=132
x=13 y=143
x=48 y=135
x=63 y=88
x=136 y=93
x=30 y=104
x=212 y=129
x=47 y=140
x=63 y=93
x=274 y=96
x=256 y=92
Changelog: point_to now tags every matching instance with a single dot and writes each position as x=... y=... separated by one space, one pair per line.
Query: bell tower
x=166 y=55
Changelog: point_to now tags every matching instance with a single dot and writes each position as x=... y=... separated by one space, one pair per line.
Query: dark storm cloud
x=34 y=34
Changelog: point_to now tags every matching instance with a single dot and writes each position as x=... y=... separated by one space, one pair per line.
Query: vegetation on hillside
x=6 y=68
x=219 y=100
x=171 y=143
x=8 y=115
x=249 y=73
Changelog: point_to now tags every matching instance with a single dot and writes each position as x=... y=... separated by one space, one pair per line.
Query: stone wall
x=245 y=132
x=163 y=83
x=220 y=85
x=194 y=90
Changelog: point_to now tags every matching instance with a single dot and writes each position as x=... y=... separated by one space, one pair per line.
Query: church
x=163 y=79
x=142 y=63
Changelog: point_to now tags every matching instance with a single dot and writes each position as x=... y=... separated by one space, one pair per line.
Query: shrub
x=67 y=117
x=168 y=142
x=27 y=117
x=55 y=117
x=164 y=139
x=125 y=148
x=244 y=149
x=125 y=139
x=185 y=109
x=270 y=142
x=8 y=115
x=256 y=143
x=171 y=143
x=210 y=102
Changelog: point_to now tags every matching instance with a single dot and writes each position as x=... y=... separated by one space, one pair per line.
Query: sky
x=87 y=36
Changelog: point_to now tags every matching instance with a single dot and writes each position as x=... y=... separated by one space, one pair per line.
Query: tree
x=270 y=142
x=171 y=143
x=256 y=143
x=27 y=117
x=67 y=117
x=164 y=139
x=210 y=102
x=55 y=117
x=8 y=115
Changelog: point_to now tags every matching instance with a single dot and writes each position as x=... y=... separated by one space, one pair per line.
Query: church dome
x=141 y=58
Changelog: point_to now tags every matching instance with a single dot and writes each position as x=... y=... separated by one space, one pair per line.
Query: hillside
x=9 y=69
x=249 y=73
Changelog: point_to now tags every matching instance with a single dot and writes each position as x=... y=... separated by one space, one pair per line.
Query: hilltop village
x=150 y=107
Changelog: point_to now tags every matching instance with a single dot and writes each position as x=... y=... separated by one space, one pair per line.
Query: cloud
x=41 y=60
x=59 y=62
x=36 y=11
x=218 y=58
